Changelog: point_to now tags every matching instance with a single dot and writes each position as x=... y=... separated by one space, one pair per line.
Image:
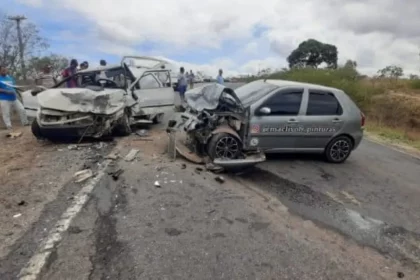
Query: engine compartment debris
x=213 y=129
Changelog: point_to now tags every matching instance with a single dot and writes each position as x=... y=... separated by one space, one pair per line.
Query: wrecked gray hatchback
x=214 y=126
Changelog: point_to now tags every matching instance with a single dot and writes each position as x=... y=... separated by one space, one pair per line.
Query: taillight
x=362 y=120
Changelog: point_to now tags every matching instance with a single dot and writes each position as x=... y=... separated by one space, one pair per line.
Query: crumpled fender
x=226 y=129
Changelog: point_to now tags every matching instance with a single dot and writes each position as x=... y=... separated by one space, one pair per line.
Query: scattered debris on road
x=131 y=155
x=142 y=133
x=74 y=230
x=17 y=215
x=183 y=166
x=22 y=203
x=112 y=156
x=157 y=184
x=13 y=135
x=400 y=275
x=220 y=179
x=116 y=174
x=73 y=147
x=83 y=175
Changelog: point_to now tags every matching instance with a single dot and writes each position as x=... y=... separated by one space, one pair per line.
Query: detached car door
x=274 y=124
x=323 y=119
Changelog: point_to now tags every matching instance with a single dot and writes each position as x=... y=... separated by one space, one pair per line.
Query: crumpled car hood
x=107 y=101
x=208 y=97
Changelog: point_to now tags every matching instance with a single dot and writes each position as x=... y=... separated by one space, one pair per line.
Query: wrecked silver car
x=215 y=125
x=98 y=106
x=275 y=116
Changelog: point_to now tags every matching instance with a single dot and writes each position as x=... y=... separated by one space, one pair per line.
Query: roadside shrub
x=415 y=84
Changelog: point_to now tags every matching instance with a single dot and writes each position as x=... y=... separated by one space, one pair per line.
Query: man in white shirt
x=46 y=79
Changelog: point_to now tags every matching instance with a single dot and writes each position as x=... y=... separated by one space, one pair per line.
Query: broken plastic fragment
x=131 y=155
x=83 y=175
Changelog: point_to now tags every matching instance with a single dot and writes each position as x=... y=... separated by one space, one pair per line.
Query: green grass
x=393 y=135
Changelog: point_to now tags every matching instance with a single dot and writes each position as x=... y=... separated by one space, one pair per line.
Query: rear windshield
x=250 y=93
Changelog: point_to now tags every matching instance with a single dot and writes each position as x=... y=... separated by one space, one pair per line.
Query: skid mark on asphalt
x=328 y=210
x=37 y=262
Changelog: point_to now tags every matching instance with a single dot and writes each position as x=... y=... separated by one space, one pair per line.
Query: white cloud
x=374 y=33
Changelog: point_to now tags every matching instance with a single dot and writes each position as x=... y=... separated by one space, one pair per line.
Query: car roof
x=100 y=68
x=286 y=83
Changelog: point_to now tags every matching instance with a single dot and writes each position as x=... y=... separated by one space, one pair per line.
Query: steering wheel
x=108 y=82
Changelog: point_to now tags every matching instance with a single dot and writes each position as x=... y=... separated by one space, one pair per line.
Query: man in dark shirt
x=70 y=71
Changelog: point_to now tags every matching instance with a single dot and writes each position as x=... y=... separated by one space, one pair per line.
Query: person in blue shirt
x=219 y=78
x=8 y=99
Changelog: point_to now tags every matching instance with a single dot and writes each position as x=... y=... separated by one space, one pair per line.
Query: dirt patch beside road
x=31 y=175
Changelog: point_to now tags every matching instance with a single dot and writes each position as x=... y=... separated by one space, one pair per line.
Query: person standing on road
x=70 y=71
x=8 y=99
x=220 y=79
x=46 y=79
x=182 y=83
x=191 y=78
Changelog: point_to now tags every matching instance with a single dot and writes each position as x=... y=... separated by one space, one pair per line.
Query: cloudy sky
x=240 y=36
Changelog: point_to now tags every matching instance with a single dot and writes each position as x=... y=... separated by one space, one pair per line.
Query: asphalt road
x=292 y=217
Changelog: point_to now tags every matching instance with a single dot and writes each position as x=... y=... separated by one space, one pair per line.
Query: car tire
x=339 y=149
x=158 y=118
x=123 y=128
x=36 y=130
x=217 y=143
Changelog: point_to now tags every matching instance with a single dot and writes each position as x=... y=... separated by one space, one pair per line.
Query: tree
x=350 y=64
x=37 y=64
x=33 y=44
x=391 y=71
x=413 y=77
x=312 y=53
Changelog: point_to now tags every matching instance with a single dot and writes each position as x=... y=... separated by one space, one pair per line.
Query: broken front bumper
x=62 y=125
x=177 y=145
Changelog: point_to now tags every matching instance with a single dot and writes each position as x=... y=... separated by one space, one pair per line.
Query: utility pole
x=18 y=20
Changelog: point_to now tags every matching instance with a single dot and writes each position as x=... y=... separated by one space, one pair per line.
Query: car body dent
x=83 y=100
x=155 y=100
x=304 y=133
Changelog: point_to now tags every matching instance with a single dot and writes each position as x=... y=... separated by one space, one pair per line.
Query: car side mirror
x=265 y=111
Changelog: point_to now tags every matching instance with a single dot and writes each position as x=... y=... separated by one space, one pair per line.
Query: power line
x=18 y=20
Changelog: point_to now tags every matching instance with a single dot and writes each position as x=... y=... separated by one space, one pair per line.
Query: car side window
x=323 y=104
x=148 y=82
x=285 y=103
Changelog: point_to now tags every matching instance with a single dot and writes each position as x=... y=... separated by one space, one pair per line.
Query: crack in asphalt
x=305 y=202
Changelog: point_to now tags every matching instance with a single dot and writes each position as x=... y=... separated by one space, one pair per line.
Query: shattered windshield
x=253 y=91
x=107 y=78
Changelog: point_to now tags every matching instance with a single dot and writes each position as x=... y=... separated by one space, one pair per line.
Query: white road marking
x=34 y=267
